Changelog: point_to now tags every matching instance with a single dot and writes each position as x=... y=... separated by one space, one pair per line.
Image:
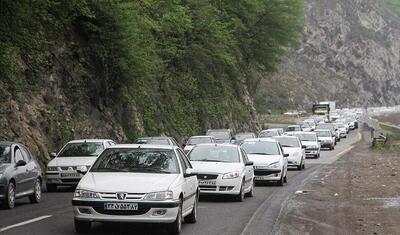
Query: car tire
x=280 y=181
x=82 y=226
x=304 y=166
x=192 y=217
x=251 y=192
x=37 y=192
x=9 y=202
x=299 y=167
x=176 y=226
x=285 y=178
x=51 y=187
x=240 y=196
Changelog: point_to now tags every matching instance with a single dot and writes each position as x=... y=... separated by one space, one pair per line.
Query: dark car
x=221 y=135
x=20 y=175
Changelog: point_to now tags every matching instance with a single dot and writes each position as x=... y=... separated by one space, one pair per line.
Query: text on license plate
x=121 y=206
x=207 y=182
x=70 y=175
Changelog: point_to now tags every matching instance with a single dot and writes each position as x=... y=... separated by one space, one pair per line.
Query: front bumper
x=294 y=161
x=147 y=212
x=55 y=178
x=267 y=174
x=312 y=152
x=221 y=186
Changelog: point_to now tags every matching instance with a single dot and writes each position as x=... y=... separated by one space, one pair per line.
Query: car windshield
x=214 y=154
x=199 y=140
x=86 y=149
x=153 y=141
x=220 y=135
x=293 y=128
x=288 y=142
x=137 y=160
x=261 y=148
x=244 y=136
x=5 y=153
x=268 y=134
x=323 y=133
x=307 y=137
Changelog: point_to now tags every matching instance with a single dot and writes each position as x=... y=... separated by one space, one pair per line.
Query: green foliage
x=393 y=6
x=183 y=64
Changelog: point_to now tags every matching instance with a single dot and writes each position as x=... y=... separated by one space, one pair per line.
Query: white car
x=195 y=140
x=342 y=129
x=310 y=141
x=61 y=170
x=326 y=138
x=137 y=183
x=270 y=162
x=223 y=169
x=306 y=127
x=292 y=145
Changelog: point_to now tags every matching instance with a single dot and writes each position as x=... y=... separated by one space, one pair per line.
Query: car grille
x=129 y=196
x=207 y=176
x=141 y=211
x=216 y=188
x=258 y=172
x=208 y=188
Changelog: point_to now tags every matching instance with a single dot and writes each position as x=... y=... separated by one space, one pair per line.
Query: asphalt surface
x=217 y=215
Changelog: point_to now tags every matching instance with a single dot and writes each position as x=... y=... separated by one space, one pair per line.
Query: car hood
x=215 y=167
x=263 y=159
x=126 y=182
x=72 y=161
x=291 y=151
x=309 y=143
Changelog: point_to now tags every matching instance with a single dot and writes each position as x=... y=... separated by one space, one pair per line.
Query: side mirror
x=250 y=163
x=304 y=146
x=285 y=155
x=233 y=141
x=82 y=170
x=20 y=163
x=53 y=155
x=189 y=172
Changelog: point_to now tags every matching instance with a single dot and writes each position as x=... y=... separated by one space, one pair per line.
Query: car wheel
x=285 y=178
x=82 y=226
x=176 y=226
x=304 y=165
x=299 y=167
x=333 y=147
x=240 y=196
x=192 y=217
x=251 y=192
x=10 y=196
x=37 y=192
x=280 y=181
x=51 y=187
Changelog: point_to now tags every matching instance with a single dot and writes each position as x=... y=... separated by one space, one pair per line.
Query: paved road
x=256 y=215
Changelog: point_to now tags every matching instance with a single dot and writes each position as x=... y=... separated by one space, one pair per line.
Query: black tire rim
x=11 y=195
x=38 y=190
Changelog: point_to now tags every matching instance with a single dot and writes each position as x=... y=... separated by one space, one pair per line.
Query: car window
x=26 y=155
x=245 y=158
x=18 y=155
x=5 y=153
x=184 y=160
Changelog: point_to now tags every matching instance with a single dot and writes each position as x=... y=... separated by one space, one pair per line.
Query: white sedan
x=270 y=162
x=292 y=145
x=223 y=169
x=137 y=183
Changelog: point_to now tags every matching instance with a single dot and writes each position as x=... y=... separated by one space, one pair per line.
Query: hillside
x=350 y=52
x=124 y=69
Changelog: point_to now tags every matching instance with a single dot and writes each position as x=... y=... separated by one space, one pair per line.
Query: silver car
x=20 y=175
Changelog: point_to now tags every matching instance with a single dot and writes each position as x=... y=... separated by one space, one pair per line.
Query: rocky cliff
x=350 y=52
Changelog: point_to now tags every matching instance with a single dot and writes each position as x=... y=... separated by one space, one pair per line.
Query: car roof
x=217 y=144
x=245 y=133
x=285 y=136
x=88 y=141
x=269 y=139
x=143 y=146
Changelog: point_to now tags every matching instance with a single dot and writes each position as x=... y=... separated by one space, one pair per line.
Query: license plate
x=207 y=182
x=70 y=175
x=121 y=206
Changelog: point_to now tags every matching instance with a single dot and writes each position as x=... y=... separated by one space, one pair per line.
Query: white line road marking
x=25 y=223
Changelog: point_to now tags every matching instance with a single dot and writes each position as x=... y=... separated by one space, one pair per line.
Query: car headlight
x=274 y=165
x=84 y=194
x=159 y=196
x=231 y=175
x=52 y=168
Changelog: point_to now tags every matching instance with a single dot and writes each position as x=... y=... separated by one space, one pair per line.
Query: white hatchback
x=223 y=169
x=292 y=145
x=137 y=183
x=270 y=162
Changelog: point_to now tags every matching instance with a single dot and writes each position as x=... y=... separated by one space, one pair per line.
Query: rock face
x=350 y=52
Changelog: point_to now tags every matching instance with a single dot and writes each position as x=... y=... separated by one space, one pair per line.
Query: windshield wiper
x=107 y=170
x=261 y=153
x=152 y=170
x=208 y=160
x=288 y=146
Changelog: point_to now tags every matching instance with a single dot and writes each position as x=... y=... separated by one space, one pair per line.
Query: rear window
x=199 y=140
x=153 y=141
x=87 y=149
x=220 y=135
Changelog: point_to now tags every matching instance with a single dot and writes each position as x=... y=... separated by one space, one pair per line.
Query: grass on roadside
x=392 y=144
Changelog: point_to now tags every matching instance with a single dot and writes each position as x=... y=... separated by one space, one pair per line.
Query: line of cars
x=155 y=180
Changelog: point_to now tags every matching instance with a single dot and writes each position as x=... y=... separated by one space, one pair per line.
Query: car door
x=189 y=185
x=20 y=175
x=249 y=170
x=31 y=168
